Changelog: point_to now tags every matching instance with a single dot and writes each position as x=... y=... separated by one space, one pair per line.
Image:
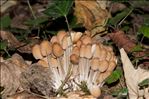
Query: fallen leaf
x=134 y=77
x=14 y=43
x=91 y=14
x=10 y=74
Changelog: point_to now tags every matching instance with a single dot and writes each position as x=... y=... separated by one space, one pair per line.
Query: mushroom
x=60 y=35
x=77 y=36
x=36 y=52
x=103 y=65
x=43 y=63
x=86 y=39
x=45 y=48
x=74 y=59
x=95 y=91
x=54 y=39
x=57 y=49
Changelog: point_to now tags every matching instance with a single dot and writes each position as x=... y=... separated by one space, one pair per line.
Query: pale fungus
x=36 y=52
x=74 y=58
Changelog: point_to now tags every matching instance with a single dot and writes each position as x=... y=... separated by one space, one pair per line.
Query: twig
x=31 y=9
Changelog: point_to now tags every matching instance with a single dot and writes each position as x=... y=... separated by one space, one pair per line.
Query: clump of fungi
x=75 y=58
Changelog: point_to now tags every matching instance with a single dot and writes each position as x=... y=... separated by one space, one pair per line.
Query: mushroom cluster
x=76 y=57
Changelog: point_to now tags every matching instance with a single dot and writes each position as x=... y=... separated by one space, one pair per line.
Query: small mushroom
x=112 y=65
x=103 y=76
x=43 y=63
x=95 y=91
x=54 y=39
x=103 y=65
x=94 y=63
x=97 y=52
x=86 y=39
x=75 y=50
x=60 y=35
x=45 y=48
x=88 y=53
x=74 y=59
x=36 y=52
x=77 y=36
x=57 y=49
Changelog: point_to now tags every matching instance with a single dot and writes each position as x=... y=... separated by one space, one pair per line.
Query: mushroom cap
x=60 y=35
x=66 y=42
x=82 y=50
x=36 y=52
x=112 y=65
x=45 y=48
x=79 y=43
x=54 y=39
x=74 y=59
x=43 y=63
x=94 y=63
x=75 y=50
x=103 y=65
x=54 y=62
x=103 y=76
x=57 y=49
x=88 y=53
x=97 y=52
x=86 y=39
x=95 y=91
x=77 y=36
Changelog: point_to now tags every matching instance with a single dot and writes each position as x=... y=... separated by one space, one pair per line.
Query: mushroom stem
x=86 y=68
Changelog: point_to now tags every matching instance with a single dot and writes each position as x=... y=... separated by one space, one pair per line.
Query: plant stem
x=68 y=26
x=125 y=17
x=31 y=9
x=60 y=89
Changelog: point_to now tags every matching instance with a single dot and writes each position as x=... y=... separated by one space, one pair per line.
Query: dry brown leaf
x=10 y=74
x=14 y=43
x=134 y=77
x=25 y=95
x=91 y=14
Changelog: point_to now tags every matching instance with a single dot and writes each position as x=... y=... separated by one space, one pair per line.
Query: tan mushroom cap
x=57 y=50
x=94 y=63
x=79 y=43
x=97 y=52
x=86 y=39
x=112 y=65
x=95 y=91
x=74 y=59
x=36 y=52
x=103 y=76
x=82 y=51
x=45 y=48
x=103 y=65
x=88 y=53
x=54 y=39
x=66 y=42
x=77 y=36
x=60 y=35
x=53 y=62
x=75 y=50
x=43 y=63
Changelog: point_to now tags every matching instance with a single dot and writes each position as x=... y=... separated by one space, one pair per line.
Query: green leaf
x=3 y=45
x=144 y=30
x=5 y=21
x=115 y=20
x=115 y=76
x=74 y=24
x=37 y=21
x=59 y=8
x=121 y=92
x=137 y=48
x=144 y=83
